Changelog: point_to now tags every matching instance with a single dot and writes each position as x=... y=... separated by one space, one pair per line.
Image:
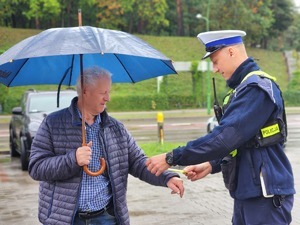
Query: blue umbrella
x=58 y=55
x=53 y=57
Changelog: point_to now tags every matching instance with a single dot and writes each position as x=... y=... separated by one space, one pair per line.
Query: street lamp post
x=199 y=16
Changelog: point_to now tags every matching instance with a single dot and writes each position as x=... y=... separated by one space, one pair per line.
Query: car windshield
x=48 y=102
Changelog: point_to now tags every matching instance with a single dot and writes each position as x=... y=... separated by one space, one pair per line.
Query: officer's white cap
x=215 y=40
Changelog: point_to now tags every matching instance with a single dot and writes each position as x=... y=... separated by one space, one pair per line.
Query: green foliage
x=9 y=103
x=152 y=149
x=294 y=84
x=292 y=36
x=151 y=14
x=263 y=20
x=138 y=103
x=291 y=98
x=110 y=14
x=197 y=82
x=10 y=36
x=176 y=90
x=42 y=10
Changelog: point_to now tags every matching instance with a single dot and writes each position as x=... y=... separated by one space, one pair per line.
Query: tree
x=11 y=13
x=42 y=10
x=151 y=16
x=292 y=36
x=255 y=17
x=194 y=25
x=283 y=18
x=263 y=20
x=110 y=14
x=179 y=10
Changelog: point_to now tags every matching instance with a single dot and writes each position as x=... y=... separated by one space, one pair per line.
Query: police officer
x=247 y=146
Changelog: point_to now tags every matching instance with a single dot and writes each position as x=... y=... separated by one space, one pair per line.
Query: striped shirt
x=95 y=192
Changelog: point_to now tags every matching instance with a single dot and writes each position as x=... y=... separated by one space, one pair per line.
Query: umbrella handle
x=97 y=173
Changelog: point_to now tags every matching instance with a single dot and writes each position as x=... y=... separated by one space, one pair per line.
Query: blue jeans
x=103 y=219
x=263 y=211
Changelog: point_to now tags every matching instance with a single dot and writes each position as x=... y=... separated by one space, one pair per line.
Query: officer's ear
x=231 y=51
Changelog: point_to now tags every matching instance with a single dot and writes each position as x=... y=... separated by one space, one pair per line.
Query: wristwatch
x=169 y=158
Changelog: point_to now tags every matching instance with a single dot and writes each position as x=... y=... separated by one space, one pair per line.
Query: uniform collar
x=246 y=67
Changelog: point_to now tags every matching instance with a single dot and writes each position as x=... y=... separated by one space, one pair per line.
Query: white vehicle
x=211 y=124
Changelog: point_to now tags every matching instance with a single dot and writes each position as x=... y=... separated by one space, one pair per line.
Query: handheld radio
x=217 y=107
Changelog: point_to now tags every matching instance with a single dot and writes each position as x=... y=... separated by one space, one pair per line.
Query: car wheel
x=12 y=145
x=24 y=154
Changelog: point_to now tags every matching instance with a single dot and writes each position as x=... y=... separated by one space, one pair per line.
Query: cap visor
x=207 y=54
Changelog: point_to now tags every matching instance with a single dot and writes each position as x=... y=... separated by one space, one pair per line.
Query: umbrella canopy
x=53 y=57
x=58 y=55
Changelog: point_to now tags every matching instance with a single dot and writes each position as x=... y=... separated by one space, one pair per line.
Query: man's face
x=97 y=95
x=222 y=63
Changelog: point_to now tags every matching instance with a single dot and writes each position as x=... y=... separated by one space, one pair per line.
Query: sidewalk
x=205 y=201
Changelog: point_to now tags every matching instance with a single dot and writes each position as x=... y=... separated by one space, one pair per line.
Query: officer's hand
x=198 y=171
x=84 y=154
x=157 y=164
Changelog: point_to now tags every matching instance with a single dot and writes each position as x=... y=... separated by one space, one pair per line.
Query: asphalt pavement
x=205 y=201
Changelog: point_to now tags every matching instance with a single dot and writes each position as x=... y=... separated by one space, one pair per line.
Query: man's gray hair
x=90 y=76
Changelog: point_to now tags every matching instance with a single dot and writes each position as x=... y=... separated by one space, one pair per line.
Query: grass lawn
x=152 y=149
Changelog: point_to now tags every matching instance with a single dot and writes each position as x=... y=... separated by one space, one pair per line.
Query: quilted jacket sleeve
x=50 y=158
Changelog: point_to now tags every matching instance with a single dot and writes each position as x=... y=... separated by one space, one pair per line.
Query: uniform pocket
x=228 y=167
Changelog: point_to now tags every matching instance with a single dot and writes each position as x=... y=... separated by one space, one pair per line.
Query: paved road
x=205 y=202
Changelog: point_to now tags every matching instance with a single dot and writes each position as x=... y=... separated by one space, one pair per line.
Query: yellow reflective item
x=260 y=73
x=270 y=130
x=227 y=97
x=233 y=153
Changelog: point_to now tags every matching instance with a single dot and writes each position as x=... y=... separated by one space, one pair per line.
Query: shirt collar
x=97 y=120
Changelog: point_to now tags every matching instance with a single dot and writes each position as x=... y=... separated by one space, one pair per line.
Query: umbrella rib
x=125 y=68
x=71 y=73
x=17 y=72
x=169 y=66
x=60 y=83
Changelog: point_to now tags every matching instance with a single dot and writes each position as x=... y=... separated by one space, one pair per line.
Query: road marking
x=170 y=124
x=147 y=125
x=180 y=124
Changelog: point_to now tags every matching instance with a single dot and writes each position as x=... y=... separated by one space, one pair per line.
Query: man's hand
x=198 y=171
x=157 y=164
x=84 y=154
x=176 y=185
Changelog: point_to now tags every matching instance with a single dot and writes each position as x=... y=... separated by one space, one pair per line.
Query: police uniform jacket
x=251 y=107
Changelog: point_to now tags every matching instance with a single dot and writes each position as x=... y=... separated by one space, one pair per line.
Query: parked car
x=211 y=124
x=26 y=119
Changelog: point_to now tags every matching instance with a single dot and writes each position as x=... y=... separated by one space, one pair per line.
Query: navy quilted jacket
x=53 y=163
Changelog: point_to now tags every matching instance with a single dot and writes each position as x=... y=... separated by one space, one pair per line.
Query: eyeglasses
x=214 y=48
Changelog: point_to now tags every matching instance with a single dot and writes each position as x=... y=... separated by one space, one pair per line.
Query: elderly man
x=247 y=146
x=67 y=194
